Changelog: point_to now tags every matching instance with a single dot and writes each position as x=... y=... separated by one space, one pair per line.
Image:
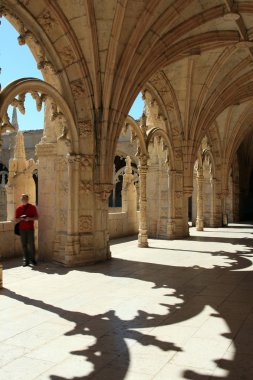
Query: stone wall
x=3 y=204
x=9 y=243
x=120 y=225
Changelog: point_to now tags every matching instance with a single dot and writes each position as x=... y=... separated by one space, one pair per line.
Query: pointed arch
x=26 y=85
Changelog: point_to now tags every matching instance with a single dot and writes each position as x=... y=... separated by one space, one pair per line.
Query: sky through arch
x=17 y=62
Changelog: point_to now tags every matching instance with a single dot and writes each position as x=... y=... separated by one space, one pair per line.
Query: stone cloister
x=193 y=63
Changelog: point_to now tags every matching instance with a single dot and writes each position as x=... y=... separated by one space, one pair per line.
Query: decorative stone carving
x=86 y=160
x=200 y=216
x=46 y=20
x=56 y=113
x=24 y=37
x=77 y=88
x=73 y=158
x=67 y=55
x=86 y=187
x=128 y=177
x=143 y=124
x=63 y=217
x=45 y=149
x=103 y=190
x=39 y=99
x=85 y=223
x=143 y=233
x=5 y=123
x=178 y=212
x=44 y=64
x=64 y=136
x=64 y=187
x=179 y=194
x=85 y=128
x=19 y=103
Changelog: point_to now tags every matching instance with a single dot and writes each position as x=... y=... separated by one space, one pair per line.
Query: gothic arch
x=167 y=103
x=130 y=122
x=160 y=133
x=54 y=59
x=31 y=85
x=243 y=128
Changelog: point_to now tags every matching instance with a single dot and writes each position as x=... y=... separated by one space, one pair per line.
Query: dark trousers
x=27 y=240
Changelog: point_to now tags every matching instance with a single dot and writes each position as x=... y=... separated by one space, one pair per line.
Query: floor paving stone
x=176 y=310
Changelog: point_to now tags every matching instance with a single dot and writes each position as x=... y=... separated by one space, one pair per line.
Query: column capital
x=143 y=159
x=45 y=149
x=187 y=191
x=103 y=190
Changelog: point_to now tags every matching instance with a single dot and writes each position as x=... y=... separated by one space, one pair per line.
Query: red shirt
x=28 y=210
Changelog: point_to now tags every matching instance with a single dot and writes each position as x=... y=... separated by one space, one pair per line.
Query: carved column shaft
x=171 y=211
x=213 y=201
x=143 y=233
x=200 y=218
x=224 y=208
x=73 y=204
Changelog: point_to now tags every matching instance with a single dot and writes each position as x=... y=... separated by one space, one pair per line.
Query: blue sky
x=17 y=62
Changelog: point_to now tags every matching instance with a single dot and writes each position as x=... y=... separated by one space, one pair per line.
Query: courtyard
x=180 y=309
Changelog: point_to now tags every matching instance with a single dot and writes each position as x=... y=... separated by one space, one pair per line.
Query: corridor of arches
x=171 y=296
x=191 y=62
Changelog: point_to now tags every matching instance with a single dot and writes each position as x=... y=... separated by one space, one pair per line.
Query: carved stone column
x=200 y=216
x=224 y=209
x=72 y=247
x=171 y=201
x=47 y=156
x=143 y=233
x=101 y=240
x=129 y=204
x=213 y=201
x=187 y=193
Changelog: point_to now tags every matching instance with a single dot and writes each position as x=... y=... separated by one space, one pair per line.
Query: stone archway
x=57 y=153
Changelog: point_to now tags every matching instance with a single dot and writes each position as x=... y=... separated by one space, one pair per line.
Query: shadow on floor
x=110 y=331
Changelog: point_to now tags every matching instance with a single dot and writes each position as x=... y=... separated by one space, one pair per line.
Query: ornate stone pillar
x=153 y=198
x=178 y=227
x=129 y=204
x=171 y=201
x=213 y=201
x=101 y=235
x=72 y=247
x=187 y=193
x=143 y=233
x=224 y=208
x=200 y=217
x=47 y=178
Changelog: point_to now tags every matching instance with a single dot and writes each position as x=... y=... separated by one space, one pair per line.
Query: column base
x=143 y=240
x=142 y=245
x=199 y=225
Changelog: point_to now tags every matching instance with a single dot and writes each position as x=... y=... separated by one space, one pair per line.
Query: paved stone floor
x=177 y=310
